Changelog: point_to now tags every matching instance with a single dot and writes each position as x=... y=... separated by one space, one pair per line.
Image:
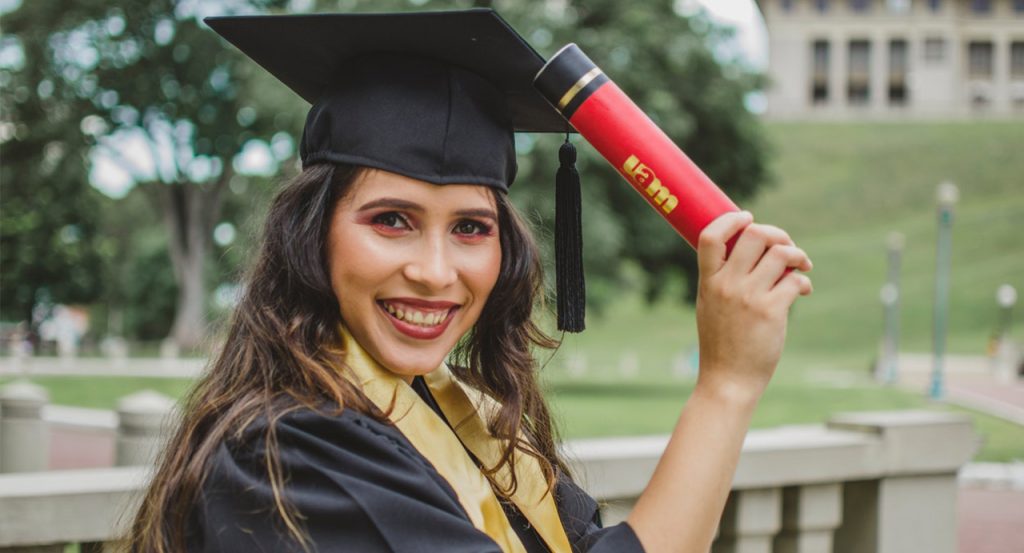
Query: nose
x=432 y=265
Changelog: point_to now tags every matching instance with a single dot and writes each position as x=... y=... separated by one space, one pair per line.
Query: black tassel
x=569 y=283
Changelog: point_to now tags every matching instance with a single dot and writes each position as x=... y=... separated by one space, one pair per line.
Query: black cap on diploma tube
x=568 y=79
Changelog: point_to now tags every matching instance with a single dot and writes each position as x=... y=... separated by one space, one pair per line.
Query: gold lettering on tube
x=644 y=178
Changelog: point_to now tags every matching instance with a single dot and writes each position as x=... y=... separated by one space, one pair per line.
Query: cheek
x=483 y=273
x=355 y=265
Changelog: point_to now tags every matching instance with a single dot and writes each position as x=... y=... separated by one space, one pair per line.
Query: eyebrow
x=398 y=203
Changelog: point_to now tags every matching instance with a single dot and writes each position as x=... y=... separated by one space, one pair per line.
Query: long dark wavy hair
x=277 y=357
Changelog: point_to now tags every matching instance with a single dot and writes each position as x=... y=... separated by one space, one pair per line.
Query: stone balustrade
x=873 y=482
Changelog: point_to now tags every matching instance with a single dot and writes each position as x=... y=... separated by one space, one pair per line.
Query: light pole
x=1006 y=297
x=1005 y=358
x=947 y=196
x=890 y=296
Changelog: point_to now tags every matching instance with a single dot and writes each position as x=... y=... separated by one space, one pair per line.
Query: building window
x=859 y=72
x=935 y=5
x=899 y=6
x=934 y=50
x=821 y=5
x=979 y=60
x=1017 y=60
x=898 y=69
x=787 y=5
x=859 y=6
x=819 y=71
x=981 y=6
x=1018 y=6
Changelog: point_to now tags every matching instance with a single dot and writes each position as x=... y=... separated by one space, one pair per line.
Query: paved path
x=969 y=381
x=990 y=521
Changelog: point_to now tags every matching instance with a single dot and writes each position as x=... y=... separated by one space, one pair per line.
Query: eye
x=390 y=219
x=472 y=228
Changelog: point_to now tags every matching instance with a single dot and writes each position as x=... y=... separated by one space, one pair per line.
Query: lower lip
x=416 y=331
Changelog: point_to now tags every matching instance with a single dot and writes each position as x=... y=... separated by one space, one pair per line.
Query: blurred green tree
x=48 y=222
x=167 y=111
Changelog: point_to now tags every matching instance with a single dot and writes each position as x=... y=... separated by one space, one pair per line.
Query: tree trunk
x=190 y=211
x=190 y=316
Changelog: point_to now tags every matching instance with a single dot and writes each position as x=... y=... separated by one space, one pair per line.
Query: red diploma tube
x=640 y=151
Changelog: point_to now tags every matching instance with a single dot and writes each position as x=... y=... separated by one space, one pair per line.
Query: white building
x=924 y=59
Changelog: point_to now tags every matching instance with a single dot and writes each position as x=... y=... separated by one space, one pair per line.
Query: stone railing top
x=71 y=506
x=895 y=419
x=99 y=419
x=851 y=446
x=68 y=483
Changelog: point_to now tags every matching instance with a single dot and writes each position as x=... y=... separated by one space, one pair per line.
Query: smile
x=418 y=318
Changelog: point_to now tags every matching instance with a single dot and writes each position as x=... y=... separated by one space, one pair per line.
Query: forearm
x=681 y=507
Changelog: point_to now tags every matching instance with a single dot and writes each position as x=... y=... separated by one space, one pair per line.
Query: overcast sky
x=751 y=35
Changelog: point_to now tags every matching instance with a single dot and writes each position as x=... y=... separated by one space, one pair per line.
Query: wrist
x=728 y=391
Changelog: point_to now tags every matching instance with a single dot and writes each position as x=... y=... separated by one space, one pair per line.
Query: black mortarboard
x=435 y=96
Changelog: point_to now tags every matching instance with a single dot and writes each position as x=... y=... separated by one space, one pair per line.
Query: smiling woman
x=412 y=265
x=377 y=389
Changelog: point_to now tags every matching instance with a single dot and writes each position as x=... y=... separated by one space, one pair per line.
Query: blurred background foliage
x=146 y=92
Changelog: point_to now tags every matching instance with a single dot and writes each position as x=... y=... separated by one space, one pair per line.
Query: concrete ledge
x=915 y=442
x=67 y=506
x=80 y=417
x=852 y=446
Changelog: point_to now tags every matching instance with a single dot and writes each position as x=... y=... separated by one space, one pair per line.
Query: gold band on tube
x=580 y=85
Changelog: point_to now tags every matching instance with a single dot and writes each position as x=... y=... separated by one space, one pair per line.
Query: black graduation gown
x=360 y=486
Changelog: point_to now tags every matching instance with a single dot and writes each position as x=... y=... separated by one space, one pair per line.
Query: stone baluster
x=912 y=506
x=750 y=521
x=810 y=516
x=24 y=435
x=143 y=419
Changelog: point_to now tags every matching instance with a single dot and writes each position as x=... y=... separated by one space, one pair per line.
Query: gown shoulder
x=356 y=484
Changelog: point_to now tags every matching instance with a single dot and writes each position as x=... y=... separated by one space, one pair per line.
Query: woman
x=330 y=420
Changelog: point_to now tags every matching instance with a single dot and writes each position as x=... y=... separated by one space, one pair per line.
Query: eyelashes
x=390 y=219
x=473 y=227
x=393 y=221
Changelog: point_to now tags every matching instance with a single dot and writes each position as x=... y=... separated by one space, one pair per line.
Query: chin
x=412 y=361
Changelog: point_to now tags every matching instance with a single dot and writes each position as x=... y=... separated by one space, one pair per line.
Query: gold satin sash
x=446 y=451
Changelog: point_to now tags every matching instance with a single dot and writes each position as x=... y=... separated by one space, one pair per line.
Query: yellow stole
x=447 y=451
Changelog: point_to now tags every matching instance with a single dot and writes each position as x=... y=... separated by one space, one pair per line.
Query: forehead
x=374 y=184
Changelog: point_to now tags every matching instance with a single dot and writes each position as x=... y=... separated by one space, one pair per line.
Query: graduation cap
x=436 y=96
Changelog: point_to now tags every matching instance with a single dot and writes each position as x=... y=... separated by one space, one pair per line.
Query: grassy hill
x=841 y=189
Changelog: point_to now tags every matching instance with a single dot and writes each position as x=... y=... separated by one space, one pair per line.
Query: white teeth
x=418 y=318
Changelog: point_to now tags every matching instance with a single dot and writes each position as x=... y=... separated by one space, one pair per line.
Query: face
x=412 y=265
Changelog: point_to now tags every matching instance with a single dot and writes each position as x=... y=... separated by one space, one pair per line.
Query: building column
x=837 y=101
x=878 y=99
